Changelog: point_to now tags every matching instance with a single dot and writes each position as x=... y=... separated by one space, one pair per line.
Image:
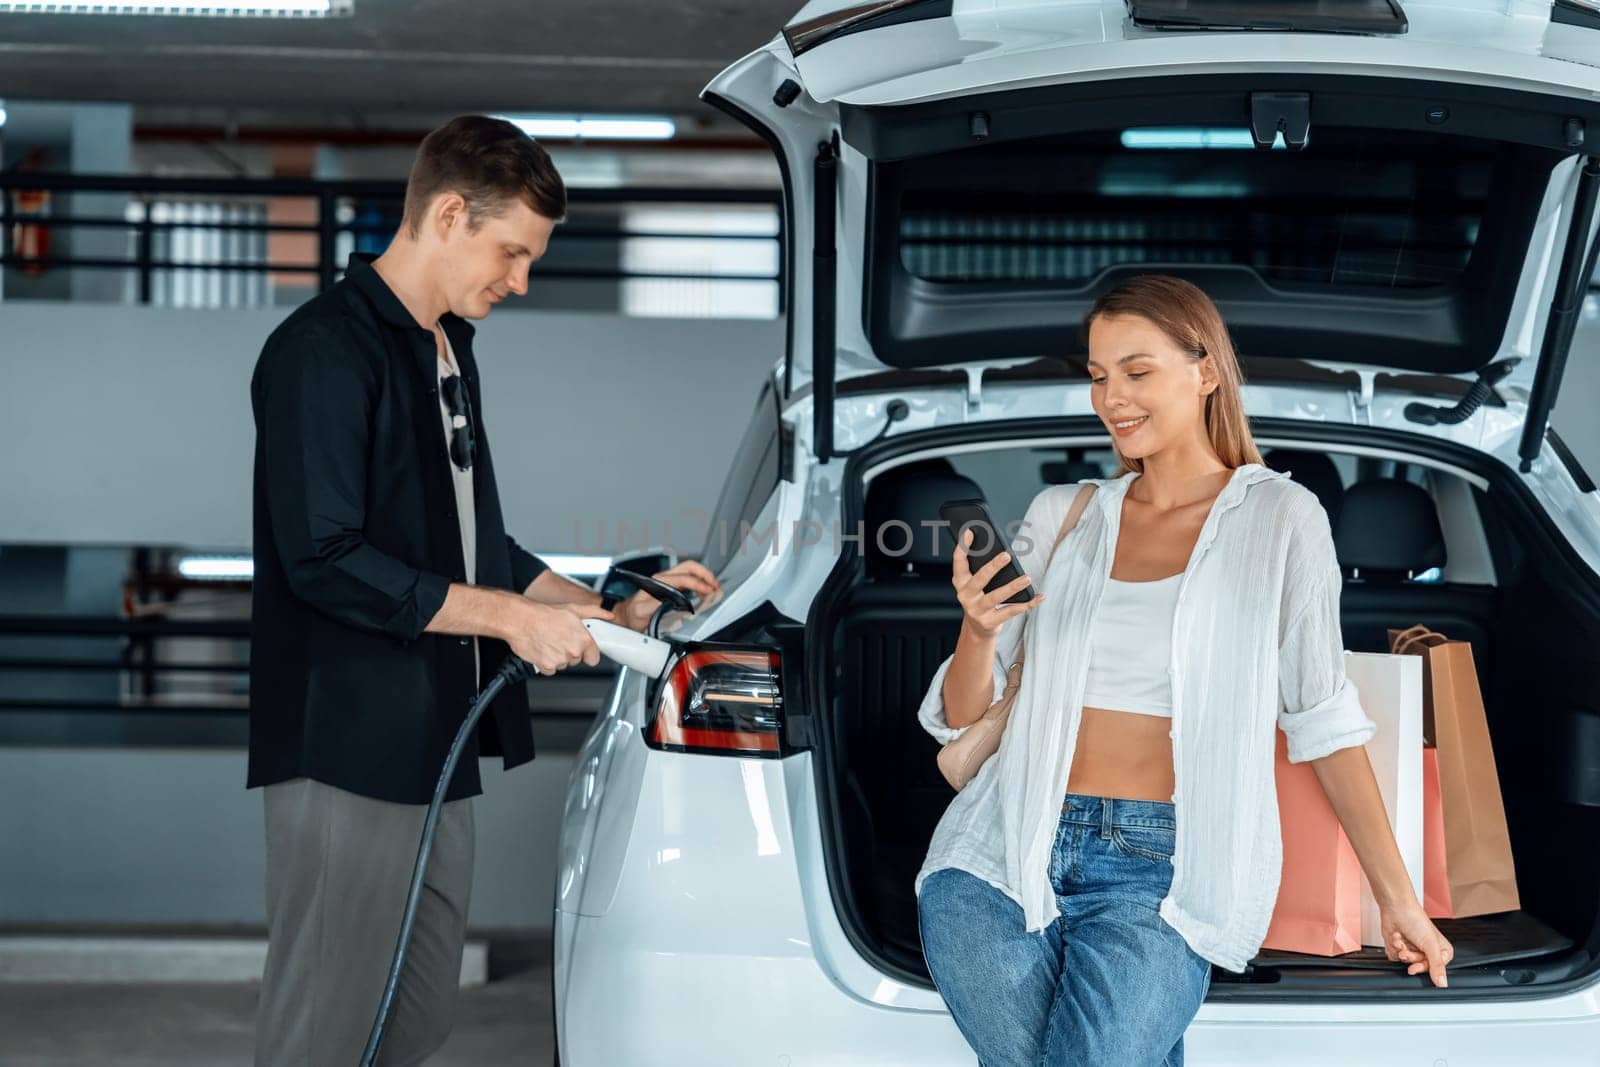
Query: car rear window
x=1372 y=208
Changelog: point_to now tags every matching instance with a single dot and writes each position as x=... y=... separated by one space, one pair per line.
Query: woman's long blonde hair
x=1186 y=315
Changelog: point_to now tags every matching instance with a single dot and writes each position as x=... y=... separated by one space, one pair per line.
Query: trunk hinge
x=1362 y=399
x=824 y=295
x=974 y=390
x=1577 y=267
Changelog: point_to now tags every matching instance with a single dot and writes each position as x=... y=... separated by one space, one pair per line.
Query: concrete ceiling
x=431 y=58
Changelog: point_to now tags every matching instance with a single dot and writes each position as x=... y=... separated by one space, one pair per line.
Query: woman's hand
x=1410 y=937
x=1352 y=790
x=985 y=613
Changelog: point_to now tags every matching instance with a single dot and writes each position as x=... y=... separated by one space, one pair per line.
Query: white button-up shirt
x=1256 y=645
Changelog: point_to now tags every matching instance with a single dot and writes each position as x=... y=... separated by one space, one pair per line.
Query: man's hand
x=552 y=636
x=691 y=575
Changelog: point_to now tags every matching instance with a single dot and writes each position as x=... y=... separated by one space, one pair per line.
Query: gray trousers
x=338 y=868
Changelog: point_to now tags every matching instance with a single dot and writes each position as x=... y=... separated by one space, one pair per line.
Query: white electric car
x=1397 y=227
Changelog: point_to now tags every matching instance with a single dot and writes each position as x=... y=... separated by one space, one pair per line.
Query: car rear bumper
x=625 y=1004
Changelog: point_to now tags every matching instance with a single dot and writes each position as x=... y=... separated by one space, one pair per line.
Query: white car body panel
x=1011 y=45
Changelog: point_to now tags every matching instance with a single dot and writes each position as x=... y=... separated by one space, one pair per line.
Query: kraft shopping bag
x=1478 y=860
x=1319 y=891
x=1435 y=873
x=1390 y=687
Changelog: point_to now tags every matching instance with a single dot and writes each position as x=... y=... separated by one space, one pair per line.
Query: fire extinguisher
x=30 y=240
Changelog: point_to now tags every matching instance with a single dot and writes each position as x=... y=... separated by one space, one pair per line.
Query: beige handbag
x=960 y=759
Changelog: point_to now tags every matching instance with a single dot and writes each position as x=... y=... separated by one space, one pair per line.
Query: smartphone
x=987 y=543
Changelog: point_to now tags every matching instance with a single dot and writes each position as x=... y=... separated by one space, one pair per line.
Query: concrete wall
x=172 y=838
x=132 y=425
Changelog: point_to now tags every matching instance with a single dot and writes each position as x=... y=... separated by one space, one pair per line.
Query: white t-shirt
x=462 y=480
x=1256 y=646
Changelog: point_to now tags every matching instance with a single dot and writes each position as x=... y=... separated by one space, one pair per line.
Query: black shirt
x=356 y=542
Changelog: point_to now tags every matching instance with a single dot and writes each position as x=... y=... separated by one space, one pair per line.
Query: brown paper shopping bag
x=1478 y=861
x=1319 y=894
x=1435 y=872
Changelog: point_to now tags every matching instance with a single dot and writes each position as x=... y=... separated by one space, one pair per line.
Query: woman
x=1125 y=835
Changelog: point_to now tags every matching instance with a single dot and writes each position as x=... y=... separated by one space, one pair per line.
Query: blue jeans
x=1107 y=983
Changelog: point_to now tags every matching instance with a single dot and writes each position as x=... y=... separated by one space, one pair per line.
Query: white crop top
x=1130 y=647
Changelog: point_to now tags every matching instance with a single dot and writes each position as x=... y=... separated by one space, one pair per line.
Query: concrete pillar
x=102 y=139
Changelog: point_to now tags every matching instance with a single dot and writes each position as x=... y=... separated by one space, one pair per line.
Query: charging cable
x=640 y=652
x=514 y=669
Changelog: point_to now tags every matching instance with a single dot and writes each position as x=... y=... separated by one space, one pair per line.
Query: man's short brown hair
x=491 y=163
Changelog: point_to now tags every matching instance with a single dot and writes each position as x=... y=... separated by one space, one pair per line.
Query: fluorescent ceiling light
x=293 y=9
x=577 y=566
x=2 y=113
x=594 y=128
x=234 y=567
x=1187 y=137
x=243 y=567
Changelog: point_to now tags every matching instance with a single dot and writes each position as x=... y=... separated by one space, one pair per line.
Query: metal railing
x=357 y=213
x=138 y=658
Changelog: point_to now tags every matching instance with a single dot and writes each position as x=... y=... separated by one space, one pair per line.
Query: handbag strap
x=1079 y=502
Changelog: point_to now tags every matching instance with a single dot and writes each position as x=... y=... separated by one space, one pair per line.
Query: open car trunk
x=962 y=181
x=1533 y=631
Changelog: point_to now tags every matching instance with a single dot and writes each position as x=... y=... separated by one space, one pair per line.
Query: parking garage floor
x=506 y=1020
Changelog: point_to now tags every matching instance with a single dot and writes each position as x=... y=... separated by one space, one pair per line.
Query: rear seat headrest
x=1315 y=471
x=1387 y=526
x=912 y=495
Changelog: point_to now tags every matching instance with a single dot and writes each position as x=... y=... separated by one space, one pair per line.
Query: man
x=387 y=592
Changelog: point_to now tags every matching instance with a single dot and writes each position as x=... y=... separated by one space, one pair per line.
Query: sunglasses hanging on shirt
x=462 y=444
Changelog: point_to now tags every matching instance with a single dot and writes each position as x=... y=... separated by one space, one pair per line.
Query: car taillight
x=721 y=700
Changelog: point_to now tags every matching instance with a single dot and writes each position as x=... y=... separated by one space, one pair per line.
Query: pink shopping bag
x=1319 y=893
